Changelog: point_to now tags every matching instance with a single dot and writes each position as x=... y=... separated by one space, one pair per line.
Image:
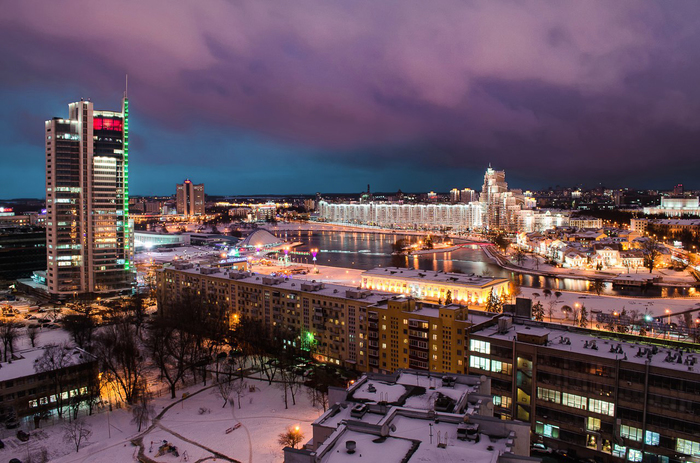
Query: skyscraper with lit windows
x=89 y=237
x=190 y=198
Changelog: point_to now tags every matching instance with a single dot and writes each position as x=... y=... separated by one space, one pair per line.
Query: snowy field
x=196 y=426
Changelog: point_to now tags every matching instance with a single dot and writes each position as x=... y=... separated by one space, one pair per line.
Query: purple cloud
x=583 y=88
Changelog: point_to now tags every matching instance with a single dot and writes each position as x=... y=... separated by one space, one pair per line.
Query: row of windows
x=482 y=347
x=490 y=365
x=576 y=401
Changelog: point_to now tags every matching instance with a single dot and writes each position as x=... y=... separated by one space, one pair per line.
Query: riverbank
x=668 y=278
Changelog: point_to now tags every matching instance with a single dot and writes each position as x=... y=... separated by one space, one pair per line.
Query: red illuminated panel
x=108 y=124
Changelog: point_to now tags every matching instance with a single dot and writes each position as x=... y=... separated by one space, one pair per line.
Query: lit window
x=651 y=438
x=478 y=362
x=483 y=347
x=631 y=433
x=593 y=424
x=619 y=451
x=688 y=447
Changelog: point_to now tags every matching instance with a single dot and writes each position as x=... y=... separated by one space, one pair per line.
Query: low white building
x=412 y=417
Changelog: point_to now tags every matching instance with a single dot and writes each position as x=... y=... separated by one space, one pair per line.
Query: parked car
x=23 y=436
x=11 y=423
x=540 y=448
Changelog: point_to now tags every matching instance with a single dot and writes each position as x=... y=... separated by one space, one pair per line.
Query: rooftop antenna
x=126 y=87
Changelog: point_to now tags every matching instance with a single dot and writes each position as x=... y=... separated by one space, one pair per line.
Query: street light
x=668 y=312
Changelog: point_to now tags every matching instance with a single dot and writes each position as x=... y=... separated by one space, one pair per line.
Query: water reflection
x=369 y=250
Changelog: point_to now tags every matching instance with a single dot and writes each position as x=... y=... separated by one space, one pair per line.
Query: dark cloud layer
x=329 y=95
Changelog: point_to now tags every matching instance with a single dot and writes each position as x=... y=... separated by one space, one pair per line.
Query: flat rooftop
x=294 y=284
x=459 y=279
x=582 y=342
x=23 y=362
x=410 y=441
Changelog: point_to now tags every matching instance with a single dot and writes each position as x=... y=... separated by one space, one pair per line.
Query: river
x=369 y=250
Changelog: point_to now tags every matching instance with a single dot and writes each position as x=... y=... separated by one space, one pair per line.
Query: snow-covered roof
x=580 y=341
x=289 y=283
x=23 y=362
x=458 y=279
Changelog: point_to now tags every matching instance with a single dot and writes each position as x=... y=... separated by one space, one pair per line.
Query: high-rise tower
x=89 y=236
x=491 y=198
x=190 y=198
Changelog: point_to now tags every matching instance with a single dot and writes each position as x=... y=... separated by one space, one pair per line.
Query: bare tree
x=550 y=308
x=137 y=310
x=519 y=256
x=117 y=347
x=291 y=437
x=32 y=333
x=9 y=332
x=240 y=389
x=76 y=432
x=597 y=286
x=81 y=325
x=318 y=398
x=53 y=363
x=650 y=251
x=142 y=411
x=318 y=389
x=225 y=386
x=169 y=348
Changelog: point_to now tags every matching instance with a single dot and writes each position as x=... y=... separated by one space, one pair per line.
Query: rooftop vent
x=350 y=446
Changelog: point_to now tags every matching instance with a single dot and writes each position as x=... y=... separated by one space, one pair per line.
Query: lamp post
x=668 y=312
x=313 y=253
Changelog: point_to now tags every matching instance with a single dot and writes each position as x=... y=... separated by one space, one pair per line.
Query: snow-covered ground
x=196 y=426
x=656 y=307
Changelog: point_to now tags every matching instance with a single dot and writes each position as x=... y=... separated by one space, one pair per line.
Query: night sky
x=303 y=96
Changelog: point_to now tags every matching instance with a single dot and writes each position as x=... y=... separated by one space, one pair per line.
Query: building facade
x=190 y=198
x=676 y=207
x=434 y=286
x=586 y=222
x=589 y=391
x=600 y=394
x=88 y=232
x=22 y=251
x=27 y=389
x=460 y=217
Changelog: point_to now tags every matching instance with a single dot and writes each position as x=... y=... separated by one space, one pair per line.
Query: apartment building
x=331 y=319
x=616 y=398
x=612 y=396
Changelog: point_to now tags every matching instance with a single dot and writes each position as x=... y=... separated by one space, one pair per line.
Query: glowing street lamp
x=313 y=253
x=668 y=312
